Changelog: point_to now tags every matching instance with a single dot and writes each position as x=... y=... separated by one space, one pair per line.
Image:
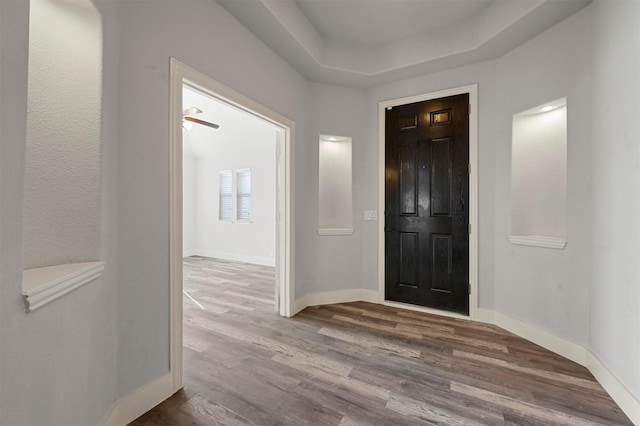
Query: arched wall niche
x=62 y=193
x=539 y=176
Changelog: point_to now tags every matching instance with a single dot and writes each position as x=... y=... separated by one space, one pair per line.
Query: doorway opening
x=397 y=235
x=229 y=215
x=230 y=205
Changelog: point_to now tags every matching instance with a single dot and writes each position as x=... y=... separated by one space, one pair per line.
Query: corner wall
x=615 y=204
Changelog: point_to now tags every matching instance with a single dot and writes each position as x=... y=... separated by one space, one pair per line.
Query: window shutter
x=243 y=178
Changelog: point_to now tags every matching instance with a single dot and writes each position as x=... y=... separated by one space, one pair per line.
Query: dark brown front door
x=427 y=204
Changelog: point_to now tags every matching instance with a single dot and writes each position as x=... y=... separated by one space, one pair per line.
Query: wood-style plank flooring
x=359 y=364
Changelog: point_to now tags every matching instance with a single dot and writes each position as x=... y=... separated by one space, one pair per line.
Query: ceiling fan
x=187 y=113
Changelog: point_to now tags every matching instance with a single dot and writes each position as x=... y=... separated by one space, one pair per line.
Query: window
x=226 y=195
x=243 y=179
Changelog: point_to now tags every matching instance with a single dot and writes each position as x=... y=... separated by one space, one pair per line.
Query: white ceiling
x=235 y=124
x=368 y=23
x=367 y=42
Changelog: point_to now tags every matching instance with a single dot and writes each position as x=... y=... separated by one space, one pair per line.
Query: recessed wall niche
x=62 y=194
x=539 y=176
x=335 y=186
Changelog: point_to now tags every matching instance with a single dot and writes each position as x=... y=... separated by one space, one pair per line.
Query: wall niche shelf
x=335 y=231
x=539 y=241
x=41 y=286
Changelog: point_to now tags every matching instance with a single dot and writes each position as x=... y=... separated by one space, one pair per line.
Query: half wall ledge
x=41 y=286
x=538 y=241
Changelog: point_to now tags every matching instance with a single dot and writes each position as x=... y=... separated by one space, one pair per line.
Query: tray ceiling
x=363 y=42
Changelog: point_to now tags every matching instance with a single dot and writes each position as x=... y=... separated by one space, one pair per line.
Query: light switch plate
x=370 y=215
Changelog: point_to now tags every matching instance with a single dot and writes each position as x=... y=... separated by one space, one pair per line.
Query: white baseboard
x=255 y=260
x=550 y=341
x=484 y=315
x=618 y=391
x=299 y=305
x=577 y=353
x=138 y=402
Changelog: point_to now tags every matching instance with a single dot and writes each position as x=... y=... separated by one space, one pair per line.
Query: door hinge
x=469 y=228
x=469 y=288
x=469 y=109
x=469 y=168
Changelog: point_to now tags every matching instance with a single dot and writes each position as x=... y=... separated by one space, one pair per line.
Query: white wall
x=62 y=177
x=615 y=285
x=335 y=262
x=543 y=287
x=241 y=142
x=188 y=196
x=57 y=364
x=205 y=37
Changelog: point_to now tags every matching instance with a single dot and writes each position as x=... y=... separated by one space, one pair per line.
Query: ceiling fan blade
x=192 y=111
x=204 y=123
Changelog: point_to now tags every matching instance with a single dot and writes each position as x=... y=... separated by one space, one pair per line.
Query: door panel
x=441 y=254
x=441 y=177
x=407 y=187
x=409 y=258
x=426 y=204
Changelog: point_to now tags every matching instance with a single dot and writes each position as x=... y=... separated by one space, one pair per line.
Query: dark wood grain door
x=427 y=204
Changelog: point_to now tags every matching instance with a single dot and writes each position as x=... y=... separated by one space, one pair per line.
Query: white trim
x=255 y=260
x=176 y=78
x=573 y=351
x=538 y=241
x=472 y=90
x=41 y=286
x=335 y=231
x=618 y=391
x=550 y=341
x=181 y=74
x=138 y=402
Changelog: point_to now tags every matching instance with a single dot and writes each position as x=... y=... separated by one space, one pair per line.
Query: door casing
x=472 y=90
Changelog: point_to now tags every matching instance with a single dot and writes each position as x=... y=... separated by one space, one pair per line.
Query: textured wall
x=57 y=364
x=62 y=181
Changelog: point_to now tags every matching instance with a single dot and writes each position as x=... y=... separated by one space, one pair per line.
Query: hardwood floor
x=359 y=364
